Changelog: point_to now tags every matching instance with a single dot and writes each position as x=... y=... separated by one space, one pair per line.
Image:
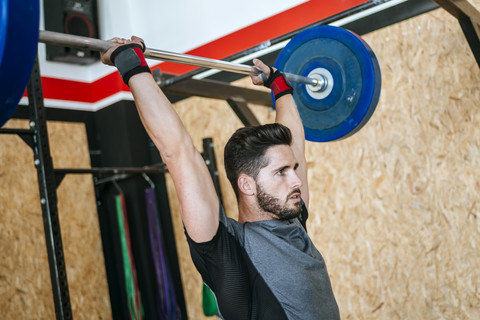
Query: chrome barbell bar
x=86 y=43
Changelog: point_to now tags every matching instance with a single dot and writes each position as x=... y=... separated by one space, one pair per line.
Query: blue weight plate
x=356 y=81
x=18 y=48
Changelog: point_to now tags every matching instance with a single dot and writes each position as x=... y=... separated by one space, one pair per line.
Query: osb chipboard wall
x=25 y=286
x=395 y=208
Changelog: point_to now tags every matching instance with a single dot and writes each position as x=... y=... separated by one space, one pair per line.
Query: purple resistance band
x=167 y=304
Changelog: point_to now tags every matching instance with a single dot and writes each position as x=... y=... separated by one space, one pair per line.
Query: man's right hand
x=258 y=79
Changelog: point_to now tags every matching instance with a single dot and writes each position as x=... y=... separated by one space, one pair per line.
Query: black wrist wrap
x=279 y=85
x=129 y=60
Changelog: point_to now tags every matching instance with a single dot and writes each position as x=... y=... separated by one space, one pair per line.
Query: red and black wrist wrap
x=129 y=60
x=279 y=85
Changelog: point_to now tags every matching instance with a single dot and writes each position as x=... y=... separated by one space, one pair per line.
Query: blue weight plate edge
x=370 y=68
x=374 y=77
x=19 y=27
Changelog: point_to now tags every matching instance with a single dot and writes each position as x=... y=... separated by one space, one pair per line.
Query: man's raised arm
x=198 y=200
x=287 y=114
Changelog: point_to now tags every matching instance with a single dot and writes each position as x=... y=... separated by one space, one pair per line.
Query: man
x=264 y=266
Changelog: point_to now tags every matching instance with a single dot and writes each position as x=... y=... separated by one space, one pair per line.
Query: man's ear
x=246 y=185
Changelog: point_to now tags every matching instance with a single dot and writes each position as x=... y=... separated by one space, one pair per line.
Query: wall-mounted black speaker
x=76 y=17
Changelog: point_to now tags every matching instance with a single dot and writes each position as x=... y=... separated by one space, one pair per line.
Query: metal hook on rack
x=114 y=181
x=150 y=182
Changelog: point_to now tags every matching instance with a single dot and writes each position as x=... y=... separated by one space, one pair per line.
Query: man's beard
x=269 y=203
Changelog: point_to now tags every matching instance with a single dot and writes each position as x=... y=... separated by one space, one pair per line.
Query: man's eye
x=281 y=172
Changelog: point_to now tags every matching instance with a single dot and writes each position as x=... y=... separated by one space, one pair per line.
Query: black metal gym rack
x=37 y=138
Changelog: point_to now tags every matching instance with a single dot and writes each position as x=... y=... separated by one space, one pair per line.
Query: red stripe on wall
x=270 y=28
x=76 y=91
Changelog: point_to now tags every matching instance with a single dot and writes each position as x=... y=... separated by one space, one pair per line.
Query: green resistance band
x=135 y=313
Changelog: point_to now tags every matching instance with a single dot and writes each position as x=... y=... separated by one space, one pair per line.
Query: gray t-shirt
x=265 y=270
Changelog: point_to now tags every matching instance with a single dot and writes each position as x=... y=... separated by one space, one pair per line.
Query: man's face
x=276 y=207
x=278 y=185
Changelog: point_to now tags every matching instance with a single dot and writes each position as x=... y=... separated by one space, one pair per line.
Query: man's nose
x=296 y=181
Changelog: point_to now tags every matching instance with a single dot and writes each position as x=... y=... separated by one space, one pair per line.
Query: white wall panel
x=177 y=26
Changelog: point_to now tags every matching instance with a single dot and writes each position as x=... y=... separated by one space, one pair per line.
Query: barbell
x=85 y=43
x=334 y=73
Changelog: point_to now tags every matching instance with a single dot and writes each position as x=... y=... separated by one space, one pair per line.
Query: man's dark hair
x=245 y=151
